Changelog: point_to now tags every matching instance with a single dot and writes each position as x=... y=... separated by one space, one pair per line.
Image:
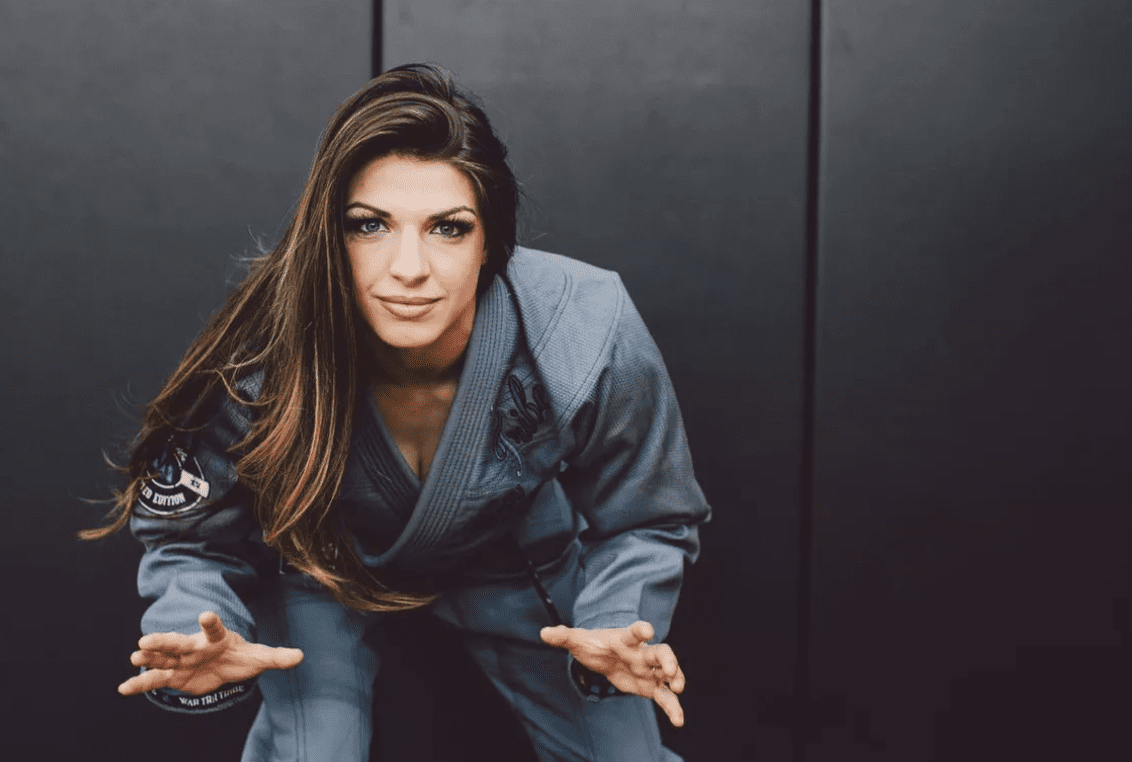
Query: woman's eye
x=365 y=226
x=453 y=228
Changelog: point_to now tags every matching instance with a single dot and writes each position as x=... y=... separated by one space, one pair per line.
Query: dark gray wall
x=971 y=535
x=667 y=140
x=142 y=145
x=972 y=531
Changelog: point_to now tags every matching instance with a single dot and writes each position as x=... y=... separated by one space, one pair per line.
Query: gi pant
x=320 y=711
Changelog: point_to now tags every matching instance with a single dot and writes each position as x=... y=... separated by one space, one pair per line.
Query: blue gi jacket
x=564 y=430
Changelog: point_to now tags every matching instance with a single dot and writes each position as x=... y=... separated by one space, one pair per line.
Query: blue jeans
x=320 y=711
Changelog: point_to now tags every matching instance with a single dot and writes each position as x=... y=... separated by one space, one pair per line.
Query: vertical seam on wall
x=376 y=64
x=804 y=617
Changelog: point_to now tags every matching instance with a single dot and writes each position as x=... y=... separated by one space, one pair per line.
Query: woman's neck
x=408 y=368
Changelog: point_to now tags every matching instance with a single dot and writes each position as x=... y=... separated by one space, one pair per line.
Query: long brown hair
x=293 y=318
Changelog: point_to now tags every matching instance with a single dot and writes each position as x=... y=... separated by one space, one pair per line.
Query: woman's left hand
x=625 y=658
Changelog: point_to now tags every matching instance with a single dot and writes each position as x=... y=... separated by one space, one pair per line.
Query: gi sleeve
x=202 y=545
x=631 y=479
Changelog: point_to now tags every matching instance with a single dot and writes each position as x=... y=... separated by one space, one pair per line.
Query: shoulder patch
x=177 y=484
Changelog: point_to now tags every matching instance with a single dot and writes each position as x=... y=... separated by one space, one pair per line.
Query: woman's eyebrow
x=431 y=218
x=450 y=212
x=361 y=205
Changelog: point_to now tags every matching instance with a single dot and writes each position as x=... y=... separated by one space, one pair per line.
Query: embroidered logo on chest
x=521 y=419
x=517 y=418
x=177 y=484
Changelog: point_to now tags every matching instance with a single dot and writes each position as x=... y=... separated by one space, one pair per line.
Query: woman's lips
x=408 y=308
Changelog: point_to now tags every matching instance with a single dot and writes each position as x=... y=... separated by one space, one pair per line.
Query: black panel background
x=971 y=526
x=142 y=146
x=971 y=539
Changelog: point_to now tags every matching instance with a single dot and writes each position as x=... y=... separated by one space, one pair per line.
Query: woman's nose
x=409 y=263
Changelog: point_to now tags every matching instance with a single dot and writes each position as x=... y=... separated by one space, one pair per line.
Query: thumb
x=643 y=630
x=212 y=627
x=555 y=636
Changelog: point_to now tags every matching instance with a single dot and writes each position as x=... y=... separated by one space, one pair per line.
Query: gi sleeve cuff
x=221 y=698
x=606 y=620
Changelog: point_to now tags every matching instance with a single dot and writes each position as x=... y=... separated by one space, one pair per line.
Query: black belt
x=499 y=560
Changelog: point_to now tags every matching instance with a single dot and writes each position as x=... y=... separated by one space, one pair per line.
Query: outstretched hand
x=201 y=663
x=625 y=658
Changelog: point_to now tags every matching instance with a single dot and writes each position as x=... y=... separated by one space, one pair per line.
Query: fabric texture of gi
x=564 y=444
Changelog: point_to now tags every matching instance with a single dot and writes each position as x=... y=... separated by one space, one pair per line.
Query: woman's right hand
x=201 y=663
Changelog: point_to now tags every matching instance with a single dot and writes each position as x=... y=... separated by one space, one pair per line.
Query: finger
x=154 y=659
x=662 y=656
x=670 y=704
x=676 y=684
x=278 y=658
x=286 y=658
x=640 y=662
x=556 y=636
x=637 y=633
x=146 y=681
x=212 y=627
x=169 y=642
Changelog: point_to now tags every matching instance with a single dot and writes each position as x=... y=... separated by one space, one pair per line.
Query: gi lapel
x=458 y=454
x=379 y=504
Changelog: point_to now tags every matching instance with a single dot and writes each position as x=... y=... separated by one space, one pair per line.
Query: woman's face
x=416 y=245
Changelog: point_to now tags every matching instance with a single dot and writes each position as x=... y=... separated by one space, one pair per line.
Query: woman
x=400 y=408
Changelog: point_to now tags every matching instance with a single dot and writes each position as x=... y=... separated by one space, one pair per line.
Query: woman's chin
x=407 y=338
